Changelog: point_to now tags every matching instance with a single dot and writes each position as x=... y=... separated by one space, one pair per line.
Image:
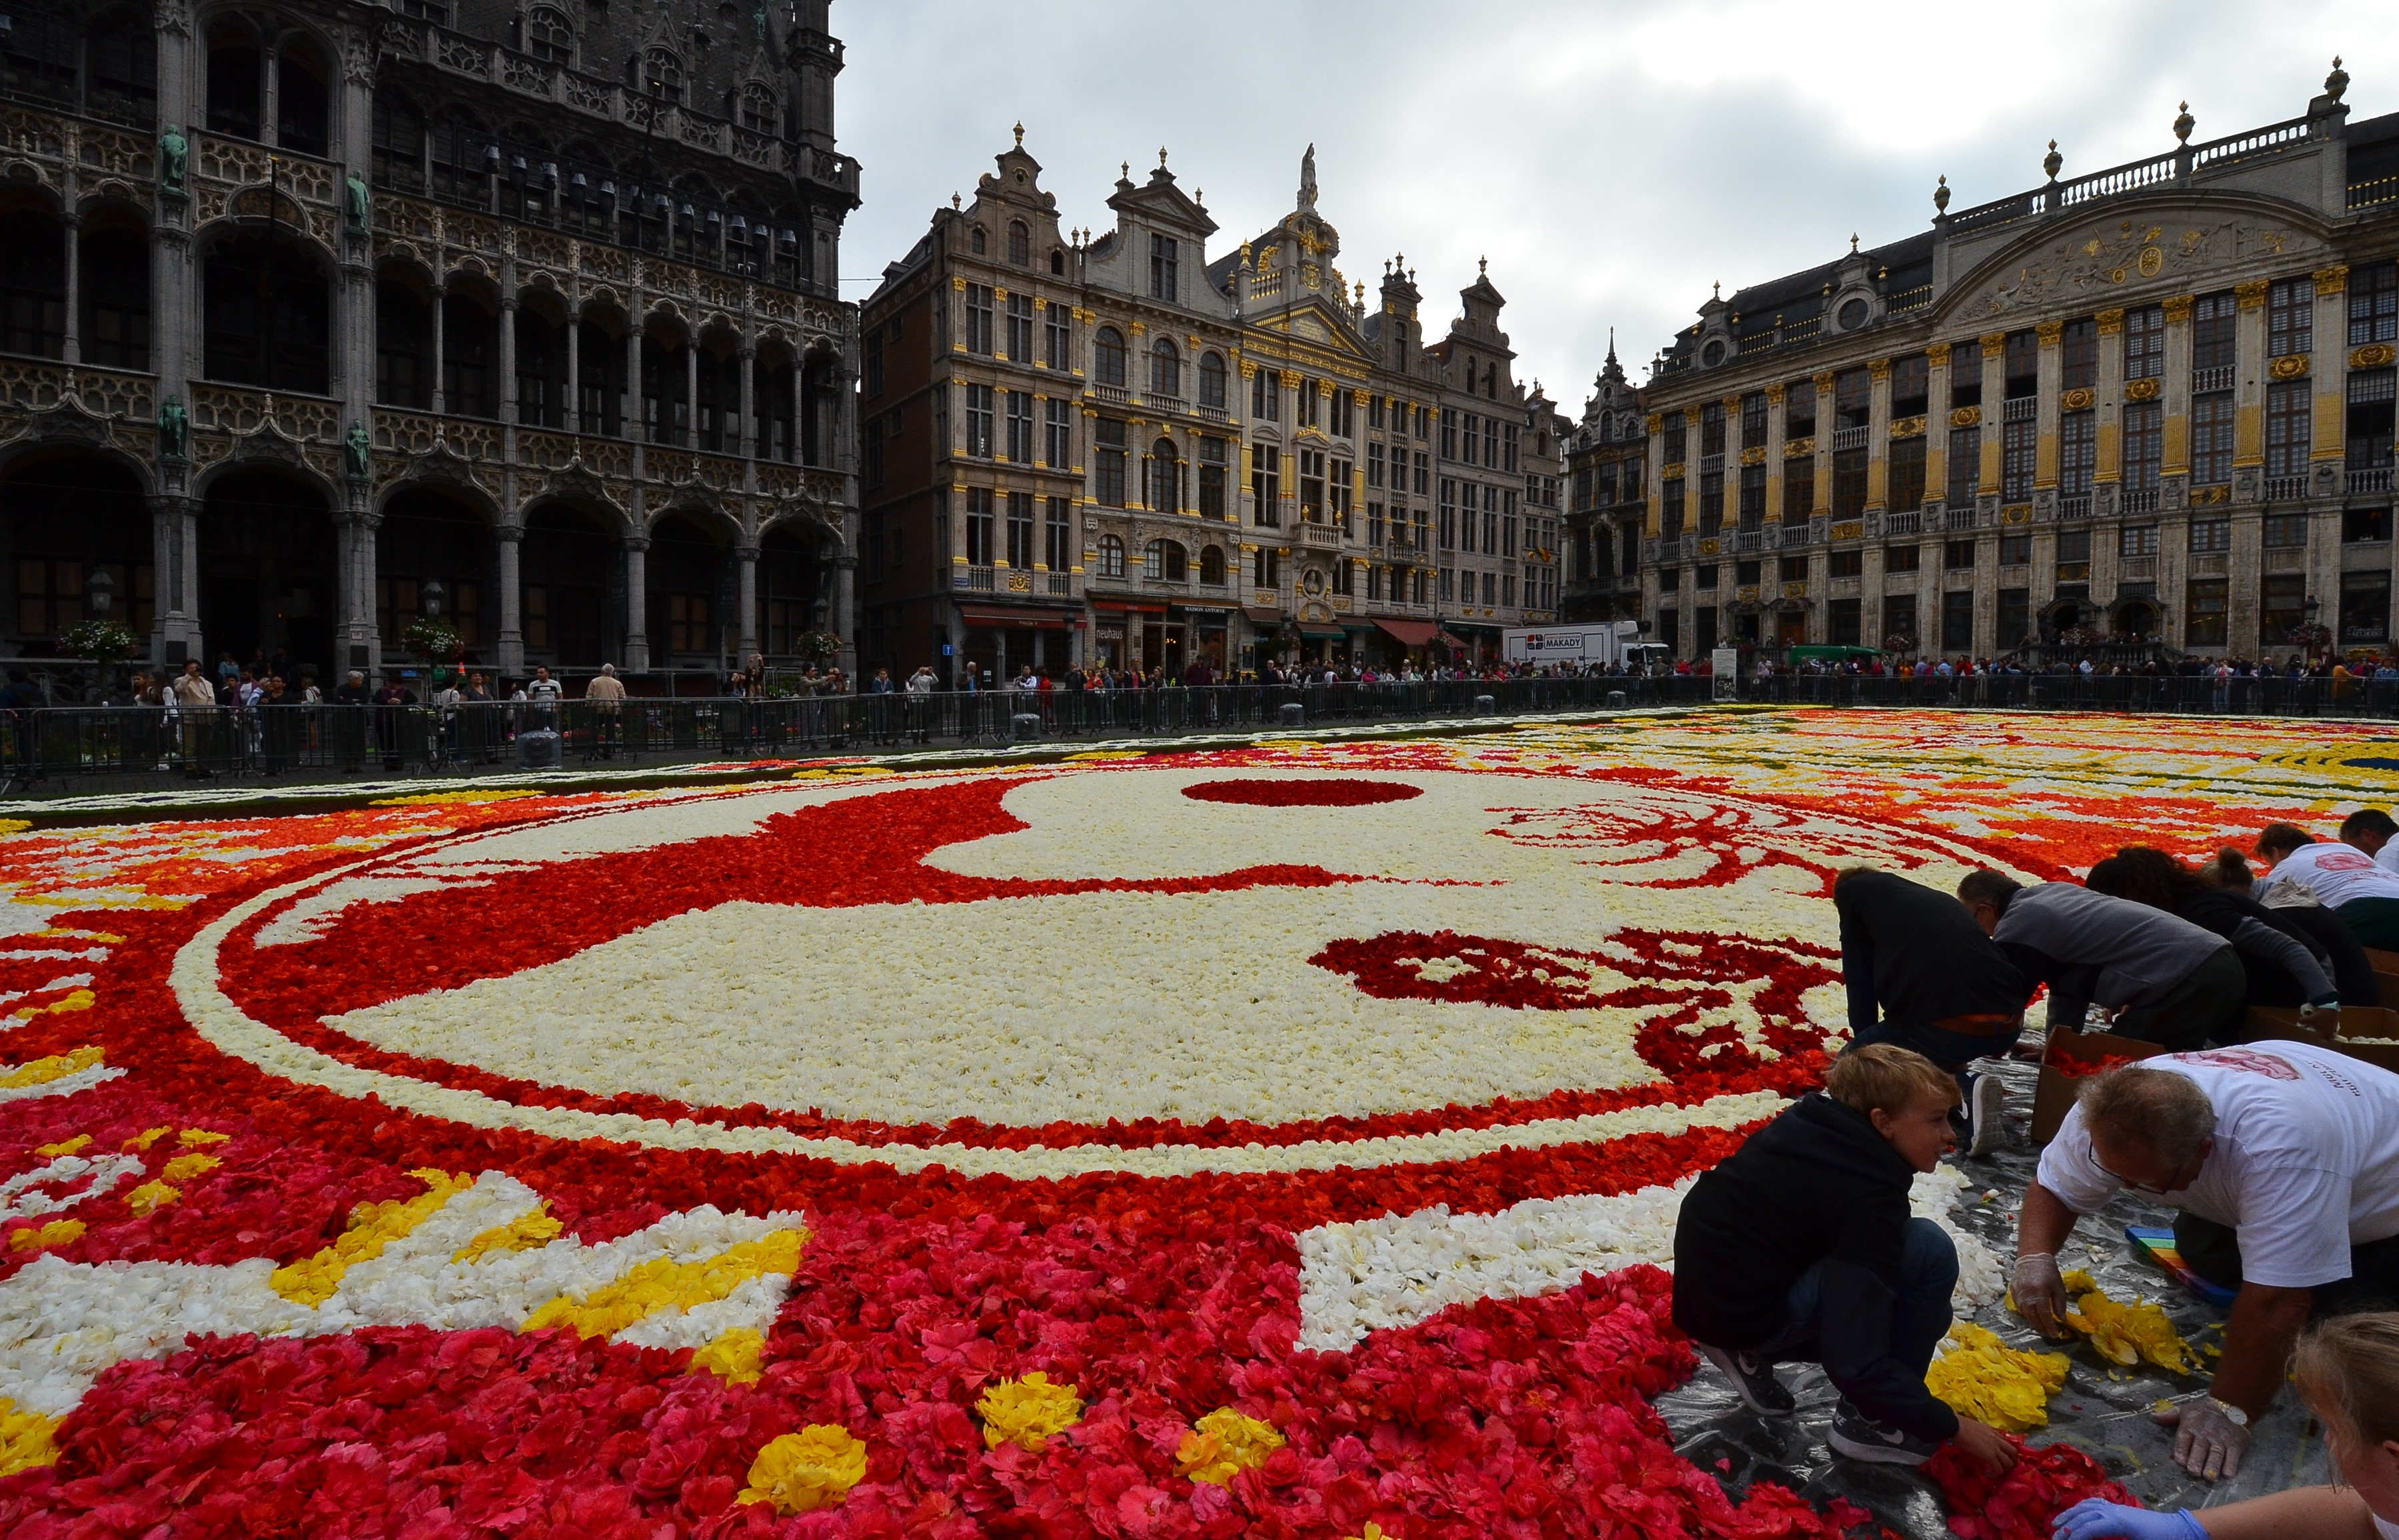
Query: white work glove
x=2208 y=1442
x=2040 y=1293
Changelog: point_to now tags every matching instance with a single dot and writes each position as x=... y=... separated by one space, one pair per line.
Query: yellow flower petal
x=185 y=1166
x=527 y=1232
x=146 y=1138
x=312 y=1280
x=64 y=1147
x=662 y=1284
x=732 y=1357
x=803 y=1471
x=1027 y=1411
x=58 y=1232
x=193 y=1138
x=1983 y=1378
x=26 y=1438
x=41 y=1072
x=1222 y=1443
x=150 y=1197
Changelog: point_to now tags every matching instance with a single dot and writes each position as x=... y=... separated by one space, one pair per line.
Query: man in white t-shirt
x=2295 y=1148
x=2374 y=831
x=2343 y=878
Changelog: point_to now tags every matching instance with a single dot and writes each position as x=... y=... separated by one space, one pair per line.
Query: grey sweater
x=2110 y=951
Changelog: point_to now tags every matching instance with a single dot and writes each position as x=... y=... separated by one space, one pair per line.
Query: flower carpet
x=1276 y=1141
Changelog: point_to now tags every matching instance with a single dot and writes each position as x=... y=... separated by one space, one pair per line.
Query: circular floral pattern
x=1307 y=1117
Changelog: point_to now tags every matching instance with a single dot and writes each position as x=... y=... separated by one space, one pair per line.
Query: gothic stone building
x=314 y=315
x=1118 y=451
x=2151 y=402
x=1605 y=509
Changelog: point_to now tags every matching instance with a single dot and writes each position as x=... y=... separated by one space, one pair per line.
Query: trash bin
x=1291 y=713
x=540 y=749
x=1486 y=706
x=1024 y=726
x=1616 y=700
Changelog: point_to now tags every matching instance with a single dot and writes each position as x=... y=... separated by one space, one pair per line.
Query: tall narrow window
x=2212 y=318
x=33 y=284
x=1108 y=462
x=980 y=533
x=1020 y=426
x=548 y=35
x=2289 y=423
x=2373 y=304
x=399 y=147
x=1165 y=368
x=2211 y=440
x=979 y=319
x=662 y=74
x=1058 y=435
x=2145 y=343
x=1212 y=381
x=1058 y=535
x=1165 y=492
x=2022 y=371
x=1848 y=483
x=1163 y=282
x=2018 y=442
x=267 y=311
x=2078 y=452
x=237 y=81
x=979 y=421
x=1965 y=466
x=2291 y=317
x=1798 y=490
x=1020 y=244
x=1910 y=386
x=1020 y=329
x=1904 y=472
x=121 y=70
x=1265 y=486
x=115 y=285
x=2144 y=445
x=1055 y=337
x=1212 y=478
x=1020 y=529
x=1266 y=395
x=2079 y=354
x=1109 y=357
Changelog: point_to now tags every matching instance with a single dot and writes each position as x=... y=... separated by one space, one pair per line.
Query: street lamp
x=433 y=593
x=100 y=592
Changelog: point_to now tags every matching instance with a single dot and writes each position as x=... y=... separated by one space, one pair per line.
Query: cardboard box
x=2386 y=973
x=2368 y=1034
x=2069 y=1058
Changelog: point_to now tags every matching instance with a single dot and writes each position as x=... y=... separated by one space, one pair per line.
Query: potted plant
x=102 y=643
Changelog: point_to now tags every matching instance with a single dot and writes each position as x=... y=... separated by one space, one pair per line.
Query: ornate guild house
x=317 y=318
x=2152 y=405
x=1123 y=451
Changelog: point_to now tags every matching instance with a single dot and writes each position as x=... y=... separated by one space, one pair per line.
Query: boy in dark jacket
x=1800 y=1248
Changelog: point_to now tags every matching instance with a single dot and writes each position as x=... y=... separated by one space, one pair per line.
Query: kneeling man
x=2295 y=1148
x=1800 y=1248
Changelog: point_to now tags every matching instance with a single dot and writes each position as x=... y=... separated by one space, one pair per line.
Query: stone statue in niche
x=174 y=430
x=357 y=447
x=354 y=203
x=174 y=160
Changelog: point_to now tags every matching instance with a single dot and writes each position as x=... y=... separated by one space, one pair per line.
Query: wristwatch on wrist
x=2233 y=1415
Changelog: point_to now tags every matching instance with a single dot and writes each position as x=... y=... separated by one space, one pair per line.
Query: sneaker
x=1760 y=1391
x=1986 y=1097
x=1860 y=1438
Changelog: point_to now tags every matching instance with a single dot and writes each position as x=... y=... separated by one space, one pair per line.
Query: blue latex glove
x=2094 y=1518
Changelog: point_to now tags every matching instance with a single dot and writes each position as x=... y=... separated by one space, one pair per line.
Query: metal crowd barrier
x=63 y=749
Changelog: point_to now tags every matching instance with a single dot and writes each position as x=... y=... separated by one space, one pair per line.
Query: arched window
x=548 y=34
x=398 y=142
x=235 y=80
x=662 y=74
x=1211 y=566
x=1165 y=490
x=1109 y=357
x=121 y=81
x=403 y=346
x=1165 y=561
x=977 y=241
x=1165 y=368
x=1019 y=243
x=265 y=306
x=1212 y=380
x=37 y=57
x=1112 y=557
x=458 y=142
x=1057 y=262
x=303 y=101
x=33 y=284
x=758 y=113
x=115 y=286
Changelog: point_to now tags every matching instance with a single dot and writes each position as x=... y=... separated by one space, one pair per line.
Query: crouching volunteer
x=1922 y=975
x=1799 y=1247
x=2166 y=981
x=2346 y=1371
x=2284 y=1161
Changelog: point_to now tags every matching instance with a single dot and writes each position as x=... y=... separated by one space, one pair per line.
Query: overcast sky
x=1611 y=159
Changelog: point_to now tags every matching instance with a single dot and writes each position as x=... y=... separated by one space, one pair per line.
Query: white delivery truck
x=1605 y=643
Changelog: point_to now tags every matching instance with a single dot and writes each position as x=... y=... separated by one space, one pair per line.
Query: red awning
x=1263 y=614
x=1014 y=618
x=1412 y=633
x=1125 y=606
